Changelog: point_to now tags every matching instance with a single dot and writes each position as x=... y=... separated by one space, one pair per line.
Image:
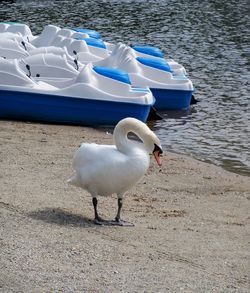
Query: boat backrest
x=11 y=74
x=96 y=47
x=21 y=28
x=152 y=72
x=78 y=35
x=56 y=42
x=47 y=36
x=73 y=46
x=65 y=32
x=77 y=46
x=119 y=58
x=98 y=51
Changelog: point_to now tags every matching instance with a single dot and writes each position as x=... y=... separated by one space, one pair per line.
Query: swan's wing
x=90 y=153
x=104 y=170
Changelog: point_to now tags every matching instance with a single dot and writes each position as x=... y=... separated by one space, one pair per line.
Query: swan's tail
x=74 y=180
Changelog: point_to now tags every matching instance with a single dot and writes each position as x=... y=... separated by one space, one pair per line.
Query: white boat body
x=85 y=84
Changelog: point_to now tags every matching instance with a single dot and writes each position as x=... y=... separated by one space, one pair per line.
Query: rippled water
x=210 y=38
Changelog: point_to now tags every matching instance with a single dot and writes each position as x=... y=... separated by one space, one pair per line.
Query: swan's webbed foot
x=99 y=221
x=120 y=222
x=117 y=222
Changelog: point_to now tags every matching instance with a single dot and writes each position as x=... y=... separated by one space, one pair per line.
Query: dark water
x=210 y=38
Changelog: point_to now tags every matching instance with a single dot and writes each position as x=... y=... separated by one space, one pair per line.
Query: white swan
x=113 y=169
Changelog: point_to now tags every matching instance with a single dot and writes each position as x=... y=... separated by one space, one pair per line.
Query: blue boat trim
x=149 y=50
x=94 y=42
x=167 y=99
x=92 y=33
x=48 y=108
x=155 y=63
x=114 y=73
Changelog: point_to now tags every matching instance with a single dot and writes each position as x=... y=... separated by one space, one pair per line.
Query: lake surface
x=209 y=38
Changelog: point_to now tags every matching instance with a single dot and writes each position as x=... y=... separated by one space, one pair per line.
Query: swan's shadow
x=61 y=217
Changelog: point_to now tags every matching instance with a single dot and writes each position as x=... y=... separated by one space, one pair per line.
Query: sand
x=191 y=233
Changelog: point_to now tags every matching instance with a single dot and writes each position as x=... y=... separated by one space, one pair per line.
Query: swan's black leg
x=98 y=219
x=118 y=221
x=118 y=215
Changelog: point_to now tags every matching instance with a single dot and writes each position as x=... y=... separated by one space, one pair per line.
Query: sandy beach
x=191 y=233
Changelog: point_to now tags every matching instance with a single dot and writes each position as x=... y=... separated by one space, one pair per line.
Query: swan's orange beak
x=157 y=154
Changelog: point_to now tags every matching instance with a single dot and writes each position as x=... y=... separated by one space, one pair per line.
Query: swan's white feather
x=107 y=169
x=103 y=170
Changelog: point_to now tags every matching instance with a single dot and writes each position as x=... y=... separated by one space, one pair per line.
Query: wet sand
x=191 y=233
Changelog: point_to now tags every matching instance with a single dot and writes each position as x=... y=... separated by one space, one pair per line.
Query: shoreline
x=191 y=221
x=241 y=172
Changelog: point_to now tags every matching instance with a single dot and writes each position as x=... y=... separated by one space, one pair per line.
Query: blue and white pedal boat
x=96 y=96
x=171 y=91
x=145 y=65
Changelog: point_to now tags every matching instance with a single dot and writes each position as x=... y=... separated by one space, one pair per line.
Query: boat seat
x=12 y=74
x=50 y=49
x=160 y=64
x=92 y=33
x=48 y=66
x=12 y=48
x=94 y=42
x=18 y=42
x=116 y=74
x=149 y=50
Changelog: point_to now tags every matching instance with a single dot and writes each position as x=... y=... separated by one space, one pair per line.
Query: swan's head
x=151 y=142
x=153 y=146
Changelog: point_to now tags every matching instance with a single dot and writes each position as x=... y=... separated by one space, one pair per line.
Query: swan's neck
x=126 y=145
x=123 y=144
